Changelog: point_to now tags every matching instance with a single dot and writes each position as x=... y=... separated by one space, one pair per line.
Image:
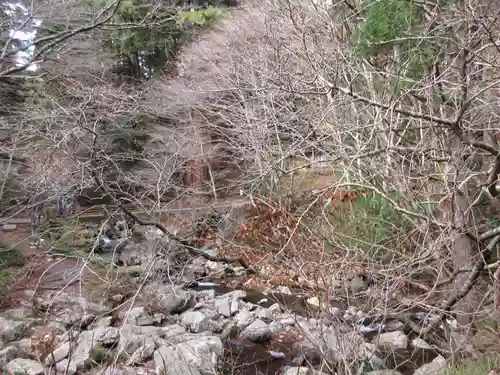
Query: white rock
x=196 y=321
x=436 y=367
x=392 y=340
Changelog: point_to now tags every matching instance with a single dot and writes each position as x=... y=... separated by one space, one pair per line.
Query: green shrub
x=368 y=222
x=10 y=257
x=68 y=237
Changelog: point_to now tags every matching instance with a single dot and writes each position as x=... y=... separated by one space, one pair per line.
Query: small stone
x=396 y=340
x=9 y=227
x=118 y=298
x=314 y=302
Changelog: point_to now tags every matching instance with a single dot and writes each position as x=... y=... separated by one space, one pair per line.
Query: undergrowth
x=68 y=237
x=10 y=259
x=479 y=366
x=365 y=221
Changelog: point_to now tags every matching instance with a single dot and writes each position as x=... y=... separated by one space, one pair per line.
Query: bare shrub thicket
x=407 y=116
x=409 y=132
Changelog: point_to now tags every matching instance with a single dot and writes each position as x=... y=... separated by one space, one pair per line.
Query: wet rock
x=7 y=354
x=196 y=321
x=21 y=366
x=396 y=340
x=436 y=367
x=194 y=357
x=258 y=331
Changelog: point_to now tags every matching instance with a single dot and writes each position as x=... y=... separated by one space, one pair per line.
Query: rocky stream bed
x=175 y=326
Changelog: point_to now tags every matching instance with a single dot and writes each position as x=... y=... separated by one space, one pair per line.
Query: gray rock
x=23 y=347
x=11 y=330
x=81 y=358
x=134 y=337
x=143 y=353
x=436 y=367
x=383 y=372
x=396 y=340
x=290 y=370
x=106 y=335
x=64 y=367
x=244 y=318
x=60 y=353
x=336 y=344
x=177 y=304
x=7 y=354
x=196 y=321
x=21 y=366
x=173 y=332
x=223 y=306
x=258 y=331
x=21 y=313
x=102 y=322
x=228 y=304
x=194 y=357
x=139 y=316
